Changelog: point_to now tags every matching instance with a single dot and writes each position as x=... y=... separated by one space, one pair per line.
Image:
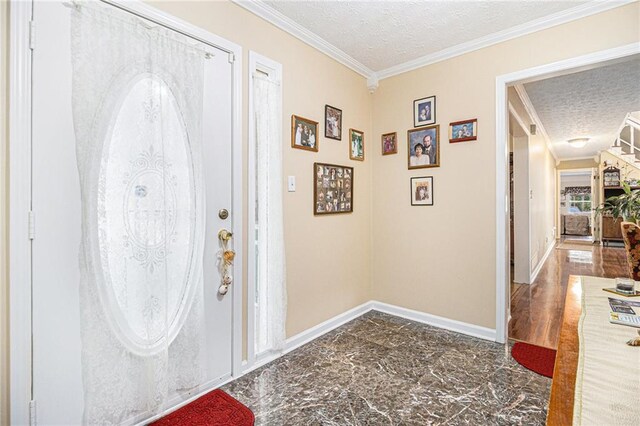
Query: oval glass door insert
x=146 y=217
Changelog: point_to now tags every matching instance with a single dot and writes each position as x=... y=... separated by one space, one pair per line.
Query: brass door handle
x=227 y=261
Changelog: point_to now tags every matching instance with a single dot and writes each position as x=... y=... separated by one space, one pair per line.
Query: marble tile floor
x=383 y=370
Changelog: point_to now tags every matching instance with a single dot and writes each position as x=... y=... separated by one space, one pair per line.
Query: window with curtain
x=270 y=273
x=578 y=199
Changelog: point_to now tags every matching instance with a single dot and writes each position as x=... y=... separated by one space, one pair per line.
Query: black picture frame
x=416 y=186
x=424 y=111
x=330 y=112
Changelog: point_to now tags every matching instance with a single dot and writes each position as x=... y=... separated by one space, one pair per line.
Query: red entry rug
x=536 y=358
x=216 y=408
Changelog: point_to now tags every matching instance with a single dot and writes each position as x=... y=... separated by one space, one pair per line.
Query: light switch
x=292 y=184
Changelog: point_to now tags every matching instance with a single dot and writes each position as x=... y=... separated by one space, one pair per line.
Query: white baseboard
x=310 y=334
x=537 y=269
x=436 y=321
x=323 y=328
x=319 y=330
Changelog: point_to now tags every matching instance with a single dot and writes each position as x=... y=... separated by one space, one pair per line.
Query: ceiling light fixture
x=578 y=142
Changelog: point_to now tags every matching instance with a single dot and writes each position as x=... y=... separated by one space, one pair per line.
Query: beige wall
x=542 y=188
x=586 y=163
x=4 y=300
x=441 y=259
x=328 y=257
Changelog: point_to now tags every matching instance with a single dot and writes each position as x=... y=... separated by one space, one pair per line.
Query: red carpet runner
x=536 y=358
x=216 y=408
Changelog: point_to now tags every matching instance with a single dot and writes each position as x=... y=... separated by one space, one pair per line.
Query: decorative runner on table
x=608 y=375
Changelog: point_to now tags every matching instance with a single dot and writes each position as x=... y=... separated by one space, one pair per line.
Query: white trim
x=19 y=206
x=531 y=110
x=150 y=13
x=578 y=12
x=436 y=321
x=321 y=329
x=588 y=157
x=257 y=63
x=502 y=212
x=538 y=268
x=310 y=334
x=516 y=116
x=324 y=327
x=269 y=14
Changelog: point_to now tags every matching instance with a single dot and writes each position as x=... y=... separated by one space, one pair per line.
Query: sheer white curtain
x=137 y=108
x=271 y=276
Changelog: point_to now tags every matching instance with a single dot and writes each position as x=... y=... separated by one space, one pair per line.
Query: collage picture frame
x=332 y=189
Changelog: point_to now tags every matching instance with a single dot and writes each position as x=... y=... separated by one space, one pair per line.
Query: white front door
x=57 y=205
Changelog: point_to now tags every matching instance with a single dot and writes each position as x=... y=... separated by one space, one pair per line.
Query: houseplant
x=625 y=206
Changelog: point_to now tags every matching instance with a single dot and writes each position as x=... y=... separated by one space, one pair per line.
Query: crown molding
x=528 y=106
x=582 y=11
x=269 y=14
x=588 y=157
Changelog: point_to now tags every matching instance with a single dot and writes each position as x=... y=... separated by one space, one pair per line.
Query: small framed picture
x=423 y=147
x=332 y=189
x=422 y=191
x=390 y=143
x=332 y=123
x=424 y=111
x=462 y=131
x=304 y=133
x=356 y=145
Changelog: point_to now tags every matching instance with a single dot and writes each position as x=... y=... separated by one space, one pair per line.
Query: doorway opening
x=541 y=245
x=576 y=203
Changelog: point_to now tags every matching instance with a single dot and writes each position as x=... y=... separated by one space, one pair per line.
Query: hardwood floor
x=536 y=309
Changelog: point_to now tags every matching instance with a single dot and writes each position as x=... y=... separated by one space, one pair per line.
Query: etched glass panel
x=146 y=210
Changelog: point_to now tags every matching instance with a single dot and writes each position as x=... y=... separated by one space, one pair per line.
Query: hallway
x=536 y=309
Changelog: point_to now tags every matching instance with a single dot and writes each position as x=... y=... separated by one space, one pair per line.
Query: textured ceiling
x=381 y=34
x=590 y=104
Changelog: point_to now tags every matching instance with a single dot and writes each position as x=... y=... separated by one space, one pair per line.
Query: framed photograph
x=423 y=147
x=462 y=131
x=304 y=133
x=422 y=191
x=332 y=189
x=424 y=111
x=356 y=145
x=390 y=143
x=332 y=123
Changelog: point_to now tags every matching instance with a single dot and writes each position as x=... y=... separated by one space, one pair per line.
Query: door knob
x=225 y=235
x=227 y=261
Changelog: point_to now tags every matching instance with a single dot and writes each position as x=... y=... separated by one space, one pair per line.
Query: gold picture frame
x=304 y=133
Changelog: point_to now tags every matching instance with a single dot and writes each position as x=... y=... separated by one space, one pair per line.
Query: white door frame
x=502 y=153
x=20 y=107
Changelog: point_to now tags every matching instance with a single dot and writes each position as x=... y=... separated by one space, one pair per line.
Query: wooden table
x=564 y=373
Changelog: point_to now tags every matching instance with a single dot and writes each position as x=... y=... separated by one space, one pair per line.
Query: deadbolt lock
x=223 y=214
